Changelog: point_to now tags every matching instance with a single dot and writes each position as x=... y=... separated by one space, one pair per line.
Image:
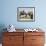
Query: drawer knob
x=11 y=38
x=33 y=39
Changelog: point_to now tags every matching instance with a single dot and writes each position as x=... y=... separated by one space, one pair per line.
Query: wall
x=9 y=13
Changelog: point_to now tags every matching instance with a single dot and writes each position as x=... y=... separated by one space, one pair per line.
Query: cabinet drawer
x=12 y=39
x=37 y=44
x=13 y=33
x=37 y=39
x=13 y=44
x=34 y=33
x=8 y=44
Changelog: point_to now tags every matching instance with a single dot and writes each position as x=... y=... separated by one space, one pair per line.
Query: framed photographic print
x=26 y=14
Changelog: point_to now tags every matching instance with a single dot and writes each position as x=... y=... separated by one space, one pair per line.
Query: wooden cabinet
x=13 y=39
x=23 y=39
x=34 y=39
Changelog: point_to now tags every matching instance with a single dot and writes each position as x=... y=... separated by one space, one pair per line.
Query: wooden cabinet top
x=22 y=30
x=25 y=33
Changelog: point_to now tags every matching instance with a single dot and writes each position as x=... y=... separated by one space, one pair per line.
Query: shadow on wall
x=2 y=26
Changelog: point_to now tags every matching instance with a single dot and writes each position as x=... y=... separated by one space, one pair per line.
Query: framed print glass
x=26 y=14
